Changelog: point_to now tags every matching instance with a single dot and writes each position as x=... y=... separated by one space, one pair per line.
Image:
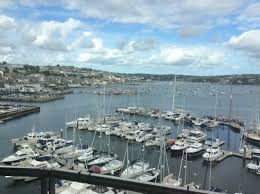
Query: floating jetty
x=12 y=111
x=246 y=156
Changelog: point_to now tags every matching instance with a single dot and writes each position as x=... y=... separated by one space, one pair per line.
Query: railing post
x=52 y=181
x=44 y=185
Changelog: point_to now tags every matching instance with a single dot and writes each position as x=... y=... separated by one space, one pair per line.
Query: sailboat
x=112 y=167
x=214 y=123
x=149 y=175
x=136 y=169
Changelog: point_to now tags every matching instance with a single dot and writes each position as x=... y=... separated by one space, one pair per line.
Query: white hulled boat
x=149 y=175
x=20 y=155
x=196 y=135
x=179 y=146
x=212 y=153
x=194 y=149
x=137 y=169
x=170 y=180
x=112 y=167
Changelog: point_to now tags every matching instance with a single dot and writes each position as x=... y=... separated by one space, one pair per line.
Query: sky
x=192 y=37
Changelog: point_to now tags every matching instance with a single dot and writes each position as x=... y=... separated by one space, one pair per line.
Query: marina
x=141 y=134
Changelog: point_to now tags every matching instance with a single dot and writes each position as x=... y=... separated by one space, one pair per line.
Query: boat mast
x=74 y=141
x=173 y=97
x=216 y=101
x=210 y=167
x=186 y=166
x=230 y=102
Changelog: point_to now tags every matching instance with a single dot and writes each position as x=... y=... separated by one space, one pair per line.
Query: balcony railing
x=48 y=179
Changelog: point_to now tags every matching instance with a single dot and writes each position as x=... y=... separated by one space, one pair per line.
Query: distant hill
x=244 y=79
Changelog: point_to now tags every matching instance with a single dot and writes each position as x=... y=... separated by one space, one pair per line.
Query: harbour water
x=197 y=98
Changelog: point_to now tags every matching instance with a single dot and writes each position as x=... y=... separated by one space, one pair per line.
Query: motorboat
x=184 y=134
x=212 y=123
x=112 y=167
x=149 y=175
x=84 y=122
x=253 y=166
x=194 y=149
x=32 y=137
x=253 y=136
x=199 y=122
x=212 y=153
x=153 y=142
x=135 y=170
x=64 y=150
x=20 y=155
x=80 y=123
x=196 y=135
x=179 y=146
x=103 y=128
x=144 y=137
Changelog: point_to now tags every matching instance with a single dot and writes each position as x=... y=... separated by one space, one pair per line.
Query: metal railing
x=48 y=179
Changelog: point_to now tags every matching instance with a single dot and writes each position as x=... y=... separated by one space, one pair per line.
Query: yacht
x=196 y=136
x=212 y=123
x=86 y=157
x=199 y=122
x=112 y=167
x=184 y=134
x=253 y=136
x=102 y=160
x=153 y=142
x=170 y=180
x=144 y=137
x=169 y=115
x=253 y=166
x=179 y=146
x=20 y=155
x=84 y=122
x=149 y=175
x=80 y=123
x=32 y=137
x=135 y=170
x=194 y=149
x=77 y=153
x=103 y=128
x=212 y=153
x=64 y=150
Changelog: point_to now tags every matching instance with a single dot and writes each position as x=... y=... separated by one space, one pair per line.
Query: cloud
x=167 y=14
x=251 y=13
x=6 y=22
x=4 y=50
x=51 y=35
x=198 y=56
x=144 y=45
x=248 y=42
x=84 y=41
x=191 y=31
